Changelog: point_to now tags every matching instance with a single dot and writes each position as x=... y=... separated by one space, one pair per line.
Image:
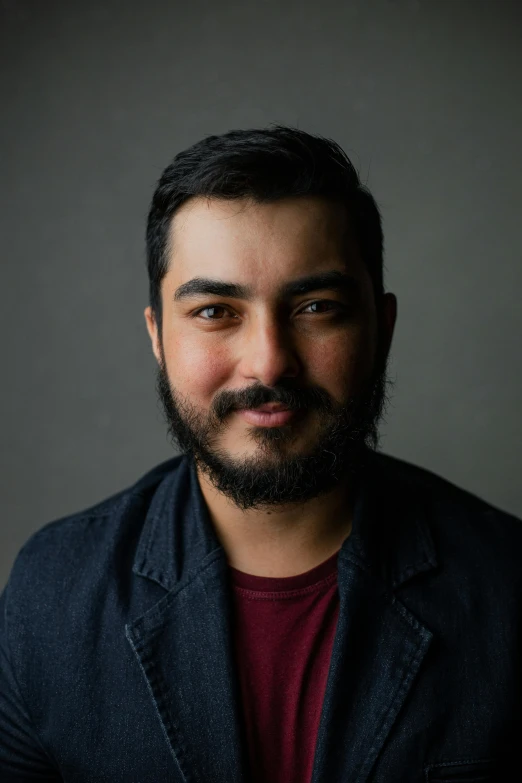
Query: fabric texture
x=119 y=644
x=284 y=629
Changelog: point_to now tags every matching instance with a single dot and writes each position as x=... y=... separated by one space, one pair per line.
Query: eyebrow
x=202 y=286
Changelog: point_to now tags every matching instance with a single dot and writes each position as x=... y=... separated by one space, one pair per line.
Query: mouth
x=269 y=415
x=271 y=407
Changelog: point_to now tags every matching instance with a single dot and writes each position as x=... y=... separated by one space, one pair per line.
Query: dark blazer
x=116 y=651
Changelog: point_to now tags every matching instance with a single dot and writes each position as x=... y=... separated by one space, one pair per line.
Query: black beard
x=273 y=476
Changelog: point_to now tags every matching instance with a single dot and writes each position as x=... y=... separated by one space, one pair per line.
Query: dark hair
x=265 y=165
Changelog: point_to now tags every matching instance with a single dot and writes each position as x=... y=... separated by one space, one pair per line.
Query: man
x=280 y=602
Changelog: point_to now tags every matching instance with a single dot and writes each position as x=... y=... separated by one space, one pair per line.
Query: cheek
x=336 y=368
x=196 y=369
x=344 y=365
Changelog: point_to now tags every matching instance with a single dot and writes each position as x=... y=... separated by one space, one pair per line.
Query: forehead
x=268 y=242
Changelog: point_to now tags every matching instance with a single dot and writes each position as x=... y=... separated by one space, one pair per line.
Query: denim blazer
x=116 y=658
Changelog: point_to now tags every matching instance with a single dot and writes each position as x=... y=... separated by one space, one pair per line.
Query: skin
x=266 y=342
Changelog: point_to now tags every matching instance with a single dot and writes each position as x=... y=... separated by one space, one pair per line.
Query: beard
x=274 y=476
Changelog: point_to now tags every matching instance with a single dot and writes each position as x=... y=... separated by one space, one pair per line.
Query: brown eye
x=212 y=309
x=330 y=306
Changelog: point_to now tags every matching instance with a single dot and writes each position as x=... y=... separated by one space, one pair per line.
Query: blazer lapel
x=379 y=645
x=183 y=642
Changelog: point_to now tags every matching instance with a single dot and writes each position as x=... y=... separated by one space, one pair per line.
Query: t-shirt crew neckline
x=270 y=584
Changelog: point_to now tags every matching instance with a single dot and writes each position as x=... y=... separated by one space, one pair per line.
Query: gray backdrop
x=97 y=97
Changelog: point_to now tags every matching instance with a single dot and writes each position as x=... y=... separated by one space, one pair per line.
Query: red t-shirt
x=284 y=630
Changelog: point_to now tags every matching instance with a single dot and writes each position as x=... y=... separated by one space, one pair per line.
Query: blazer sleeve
x=22 y=756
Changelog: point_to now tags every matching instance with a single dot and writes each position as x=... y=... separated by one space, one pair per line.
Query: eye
x=332 y=306
x=208 y=308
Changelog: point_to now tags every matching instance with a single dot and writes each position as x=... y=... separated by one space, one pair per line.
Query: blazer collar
x=177 y=535
x=390 y=537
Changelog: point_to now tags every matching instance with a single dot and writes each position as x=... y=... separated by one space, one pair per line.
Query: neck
x=280 y=541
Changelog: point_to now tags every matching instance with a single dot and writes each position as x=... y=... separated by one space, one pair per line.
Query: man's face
x=320 y=352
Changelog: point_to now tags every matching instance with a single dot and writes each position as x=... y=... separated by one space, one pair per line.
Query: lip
x=266 y=419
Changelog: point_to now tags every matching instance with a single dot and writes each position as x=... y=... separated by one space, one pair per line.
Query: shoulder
x=69 y=583
x=74 y=551
x=439 y=491
x=462 y=524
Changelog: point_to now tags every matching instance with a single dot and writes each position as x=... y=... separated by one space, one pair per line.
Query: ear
x=152 y=329
x=389 y=318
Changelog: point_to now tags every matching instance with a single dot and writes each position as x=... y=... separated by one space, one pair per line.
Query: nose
x=268 y=353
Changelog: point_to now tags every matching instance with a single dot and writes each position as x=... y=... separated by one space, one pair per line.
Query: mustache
x=254 y=396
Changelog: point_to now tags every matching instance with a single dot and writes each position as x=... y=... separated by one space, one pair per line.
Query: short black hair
x=264 y=164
